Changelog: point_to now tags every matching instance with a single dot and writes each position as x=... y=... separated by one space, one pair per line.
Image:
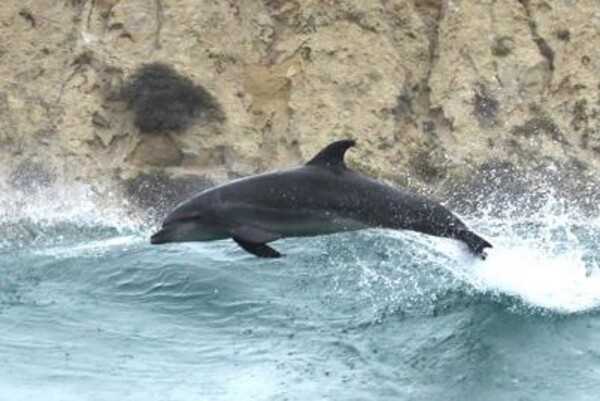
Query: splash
x=558 y=282
x=546 y=259
x=64 y=213
x=561 y=279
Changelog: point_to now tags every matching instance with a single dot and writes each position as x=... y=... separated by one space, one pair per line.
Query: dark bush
x=164 y=100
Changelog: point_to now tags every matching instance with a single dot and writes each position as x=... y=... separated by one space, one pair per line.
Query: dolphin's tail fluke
x=475 y=243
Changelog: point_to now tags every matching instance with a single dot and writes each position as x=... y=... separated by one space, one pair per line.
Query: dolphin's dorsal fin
x=333 y=154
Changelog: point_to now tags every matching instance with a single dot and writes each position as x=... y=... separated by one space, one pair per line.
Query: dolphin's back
x=341 y=195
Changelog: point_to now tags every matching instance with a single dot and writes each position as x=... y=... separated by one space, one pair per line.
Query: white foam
x=556 y=282
x=79 y=203
x=546 y=267
x=97 y=247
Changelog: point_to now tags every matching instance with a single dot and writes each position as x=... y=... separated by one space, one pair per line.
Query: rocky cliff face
x=436 y=91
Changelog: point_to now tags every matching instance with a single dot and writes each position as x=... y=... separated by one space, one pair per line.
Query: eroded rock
x=432 y=90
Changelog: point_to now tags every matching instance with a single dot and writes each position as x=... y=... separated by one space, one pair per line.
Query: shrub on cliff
x=164 y=100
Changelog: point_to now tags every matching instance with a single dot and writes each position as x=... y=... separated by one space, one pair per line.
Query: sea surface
x=89 y=310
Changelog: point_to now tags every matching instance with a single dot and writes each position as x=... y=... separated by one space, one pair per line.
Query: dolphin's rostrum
x=321 y=197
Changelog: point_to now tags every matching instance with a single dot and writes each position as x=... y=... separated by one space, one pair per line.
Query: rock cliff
x=439 y=93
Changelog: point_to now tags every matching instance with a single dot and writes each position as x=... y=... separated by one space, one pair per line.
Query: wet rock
x=502 y=188
x=157 y=193
x=31 y=176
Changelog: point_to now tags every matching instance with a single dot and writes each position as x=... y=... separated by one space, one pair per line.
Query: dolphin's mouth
x=160 y=237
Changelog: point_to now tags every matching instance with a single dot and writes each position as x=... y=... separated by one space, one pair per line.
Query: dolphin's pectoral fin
x=254 y=239
x=260 y=250
x=254 y=235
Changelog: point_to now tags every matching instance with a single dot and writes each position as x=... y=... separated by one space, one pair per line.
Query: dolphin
x=323 y=196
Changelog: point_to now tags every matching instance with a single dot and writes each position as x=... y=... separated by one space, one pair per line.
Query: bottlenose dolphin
x=321 y=197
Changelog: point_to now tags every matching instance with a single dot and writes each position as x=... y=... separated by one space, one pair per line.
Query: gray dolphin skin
x=321 y=197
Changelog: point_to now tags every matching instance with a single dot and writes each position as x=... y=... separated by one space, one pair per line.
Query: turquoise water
x=90 y=311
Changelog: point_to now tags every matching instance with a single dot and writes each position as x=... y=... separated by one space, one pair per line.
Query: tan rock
x=157 y=151
x=432 y=89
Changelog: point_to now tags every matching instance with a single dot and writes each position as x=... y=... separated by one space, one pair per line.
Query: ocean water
x=89 y=310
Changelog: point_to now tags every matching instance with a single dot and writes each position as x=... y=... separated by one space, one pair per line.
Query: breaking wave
x=85 y=298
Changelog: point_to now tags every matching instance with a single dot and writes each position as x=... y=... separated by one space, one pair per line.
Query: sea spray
x=65 y=213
